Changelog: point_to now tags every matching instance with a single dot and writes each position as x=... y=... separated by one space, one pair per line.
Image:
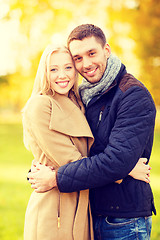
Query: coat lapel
x=67 y=118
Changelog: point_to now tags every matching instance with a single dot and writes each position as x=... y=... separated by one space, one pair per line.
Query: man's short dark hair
x=87 y=30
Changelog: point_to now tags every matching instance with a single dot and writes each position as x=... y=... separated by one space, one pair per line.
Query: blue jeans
x=109 y=228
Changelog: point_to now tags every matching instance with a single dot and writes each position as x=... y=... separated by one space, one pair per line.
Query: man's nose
x=87 y=62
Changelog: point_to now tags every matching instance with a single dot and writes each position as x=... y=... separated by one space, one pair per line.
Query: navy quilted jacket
x=122 y=121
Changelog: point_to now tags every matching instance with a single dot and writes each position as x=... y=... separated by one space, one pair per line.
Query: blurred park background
x=132 y=28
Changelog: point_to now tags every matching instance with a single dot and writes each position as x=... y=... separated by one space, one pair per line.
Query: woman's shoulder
x=38 y=101
x=38 y=104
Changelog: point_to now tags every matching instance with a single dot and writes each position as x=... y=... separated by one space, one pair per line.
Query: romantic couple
x=91 y=145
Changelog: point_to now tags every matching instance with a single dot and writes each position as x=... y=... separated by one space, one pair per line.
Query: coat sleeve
x=132 y=131
x=56 y=146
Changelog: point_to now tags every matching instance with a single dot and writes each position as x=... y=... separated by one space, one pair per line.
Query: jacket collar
x=114 y=83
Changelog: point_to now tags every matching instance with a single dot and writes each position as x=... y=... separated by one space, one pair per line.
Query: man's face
x=90 y=58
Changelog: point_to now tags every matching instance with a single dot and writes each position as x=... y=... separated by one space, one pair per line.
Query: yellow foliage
x=131 y=27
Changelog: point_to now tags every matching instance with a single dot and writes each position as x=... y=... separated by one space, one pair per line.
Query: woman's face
x=61 y=72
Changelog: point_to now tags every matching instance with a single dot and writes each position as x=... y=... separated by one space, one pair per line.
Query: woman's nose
x=62 y=74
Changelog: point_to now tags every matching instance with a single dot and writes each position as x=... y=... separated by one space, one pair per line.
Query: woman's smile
x=62 y=84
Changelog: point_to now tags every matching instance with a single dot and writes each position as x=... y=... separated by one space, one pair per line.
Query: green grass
x=155 y=184
x=15 y=161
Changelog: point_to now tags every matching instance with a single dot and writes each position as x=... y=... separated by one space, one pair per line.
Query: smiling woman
x=56 y=132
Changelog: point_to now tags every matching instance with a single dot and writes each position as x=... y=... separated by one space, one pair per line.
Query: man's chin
x=92 y=79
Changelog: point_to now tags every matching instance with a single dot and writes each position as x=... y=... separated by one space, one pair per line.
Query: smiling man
x=121 y=114
x=90 y=62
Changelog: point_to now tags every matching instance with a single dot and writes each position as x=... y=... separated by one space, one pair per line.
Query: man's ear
x=107 y=49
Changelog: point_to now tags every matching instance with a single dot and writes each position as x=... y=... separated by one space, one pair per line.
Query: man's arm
x=132 y=131
x=43 y=178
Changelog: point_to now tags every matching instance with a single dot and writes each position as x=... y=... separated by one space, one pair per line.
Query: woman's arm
x=141 y=171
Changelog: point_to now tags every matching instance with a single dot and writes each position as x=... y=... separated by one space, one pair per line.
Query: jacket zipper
x=100 y=118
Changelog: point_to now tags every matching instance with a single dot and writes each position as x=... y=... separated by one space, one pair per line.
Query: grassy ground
x=14 y=194
x=14 y=190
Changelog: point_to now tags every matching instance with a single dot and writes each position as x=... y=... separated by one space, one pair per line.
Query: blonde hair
x=42 y=84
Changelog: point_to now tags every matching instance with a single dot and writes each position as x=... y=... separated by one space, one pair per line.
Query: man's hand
x=42 y=178
x=141 y=171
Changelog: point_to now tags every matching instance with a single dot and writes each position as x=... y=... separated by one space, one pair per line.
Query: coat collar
x=67 y=118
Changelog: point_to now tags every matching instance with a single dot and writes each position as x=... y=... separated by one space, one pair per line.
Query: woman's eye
x=69 y=67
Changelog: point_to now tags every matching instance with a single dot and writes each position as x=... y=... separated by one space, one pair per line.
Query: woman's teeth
x=63 y=84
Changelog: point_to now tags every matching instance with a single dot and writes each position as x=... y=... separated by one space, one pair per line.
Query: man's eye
x=92 y=53
x=78 y=59
x=53 y=69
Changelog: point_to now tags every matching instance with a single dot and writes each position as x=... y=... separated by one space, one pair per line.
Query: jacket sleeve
x=133 y=129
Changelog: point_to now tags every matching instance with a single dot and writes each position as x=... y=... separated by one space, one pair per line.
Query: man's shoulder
x=128 y=81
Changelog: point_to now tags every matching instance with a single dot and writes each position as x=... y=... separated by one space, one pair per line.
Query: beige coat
x=58 y=133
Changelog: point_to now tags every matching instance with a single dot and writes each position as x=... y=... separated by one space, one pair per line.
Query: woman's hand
x=141 y=171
